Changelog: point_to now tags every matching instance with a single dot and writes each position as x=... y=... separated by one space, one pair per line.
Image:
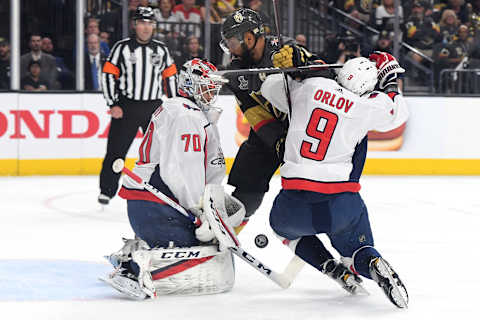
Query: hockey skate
x=125 y=282
x=103 y=199
x=387 y=279
x=343 y=276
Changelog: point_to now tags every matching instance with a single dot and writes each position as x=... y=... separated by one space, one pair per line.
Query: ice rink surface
x=53 y=237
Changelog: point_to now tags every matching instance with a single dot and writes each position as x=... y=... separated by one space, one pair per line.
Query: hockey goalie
x=180 y=155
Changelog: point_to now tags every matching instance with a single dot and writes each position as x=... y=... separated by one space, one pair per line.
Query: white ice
x=53 y=237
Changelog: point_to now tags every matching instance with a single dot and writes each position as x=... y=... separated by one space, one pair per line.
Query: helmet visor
x=231 y=44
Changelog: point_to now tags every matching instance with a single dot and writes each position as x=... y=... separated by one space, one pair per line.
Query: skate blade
x=402 y=302
x=359 y=289
x=122 y=289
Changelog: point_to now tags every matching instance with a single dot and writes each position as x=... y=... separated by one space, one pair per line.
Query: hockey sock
x=312 y=250
x=362 y=258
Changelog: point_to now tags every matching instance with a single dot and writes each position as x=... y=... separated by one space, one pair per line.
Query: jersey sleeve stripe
x=262 y=123
x=169 y=71
x=110 y=68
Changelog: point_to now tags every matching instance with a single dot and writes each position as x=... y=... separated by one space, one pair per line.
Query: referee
x=136 y=74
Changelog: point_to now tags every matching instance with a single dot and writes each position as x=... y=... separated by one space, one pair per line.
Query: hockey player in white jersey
x=179 y=155
x=325 y=151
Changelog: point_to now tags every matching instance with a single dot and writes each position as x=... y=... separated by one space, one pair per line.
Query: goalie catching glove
x=388 y=68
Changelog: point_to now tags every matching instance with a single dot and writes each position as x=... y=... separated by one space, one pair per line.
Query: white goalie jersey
x=179 y=155
x=326 y=144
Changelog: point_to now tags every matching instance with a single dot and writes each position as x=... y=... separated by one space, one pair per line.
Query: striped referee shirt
x=138 y=72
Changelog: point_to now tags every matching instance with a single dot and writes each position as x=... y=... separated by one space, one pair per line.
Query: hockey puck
x=261 y=240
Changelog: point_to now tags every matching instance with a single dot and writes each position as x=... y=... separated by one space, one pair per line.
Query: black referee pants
x=120 y=137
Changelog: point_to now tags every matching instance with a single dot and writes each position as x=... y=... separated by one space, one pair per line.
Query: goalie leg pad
x=208 y=274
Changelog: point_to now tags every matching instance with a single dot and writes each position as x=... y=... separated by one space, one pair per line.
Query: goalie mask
x=196 y=82
x=358 y=75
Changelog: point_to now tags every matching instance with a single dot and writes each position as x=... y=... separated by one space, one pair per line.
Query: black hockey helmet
x=144 y=13
x=239 y=22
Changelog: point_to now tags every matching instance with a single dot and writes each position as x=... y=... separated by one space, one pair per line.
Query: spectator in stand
x=165 y=19
x=448 y=25
x=190 y=16
x=168 y=32
x=349 y=48
x=192 y=50
x=461 y=53
x=259 y=7
x=385 y=44
x=93 y=28
x=49 y=71
x=4 y=64
x=105 y=37
x=225 y=7
x=460 y=8
x=301 y=40
x=94 y=61
x=65 y=76
x=385 y=15
x=463 y=45
x=33 y=80
x=215 y=17
x=216 y=20
x=133 y=4
x=421 y=32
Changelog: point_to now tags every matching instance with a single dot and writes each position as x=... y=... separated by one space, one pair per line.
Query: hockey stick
x=230 y=241
x=279 y=35
x=226 y=236
x=310 y=68
x=118 y=166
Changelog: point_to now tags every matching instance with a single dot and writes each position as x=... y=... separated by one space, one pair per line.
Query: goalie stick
x=222 y=231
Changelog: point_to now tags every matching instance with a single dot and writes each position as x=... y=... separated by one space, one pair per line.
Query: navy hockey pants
x=158 y=224
x=343 y=217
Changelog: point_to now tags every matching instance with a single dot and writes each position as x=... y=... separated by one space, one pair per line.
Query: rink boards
x=65 y=133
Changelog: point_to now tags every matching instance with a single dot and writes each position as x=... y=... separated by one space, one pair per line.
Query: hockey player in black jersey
x=243 y=35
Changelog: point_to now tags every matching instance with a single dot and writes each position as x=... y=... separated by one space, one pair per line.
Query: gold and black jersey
x=267 y=122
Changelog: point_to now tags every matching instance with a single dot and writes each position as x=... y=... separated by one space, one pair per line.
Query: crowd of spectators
x=444 y=34
x=179 y=25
